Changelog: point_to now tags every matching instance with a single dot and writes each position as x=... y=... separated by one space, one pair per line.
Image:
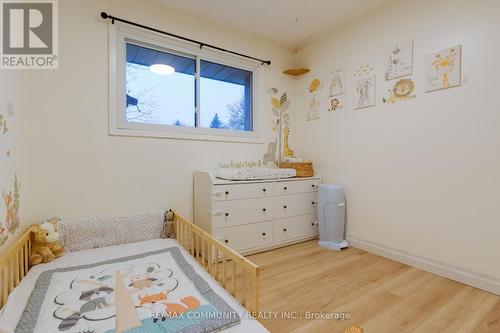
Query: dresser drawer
x=235 y=212
x=295 y=204
x=246 y=236
x=242 y=191
x=292 y=187
x=294 y=227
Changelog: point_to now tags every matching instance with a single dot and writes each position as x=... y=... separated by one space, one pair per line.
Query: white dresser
x=253 y=216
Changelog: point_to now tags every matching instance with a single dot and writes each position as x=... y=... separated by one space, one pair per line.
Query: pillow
x=89 y=233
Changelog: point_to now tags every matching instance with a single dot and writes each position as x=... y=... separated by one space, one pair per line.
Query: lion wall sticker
x=402 y=90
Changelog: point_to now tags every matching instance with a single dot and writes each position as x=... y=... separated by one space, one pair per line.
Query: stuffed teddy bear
x=168 y=225
x=46 y=246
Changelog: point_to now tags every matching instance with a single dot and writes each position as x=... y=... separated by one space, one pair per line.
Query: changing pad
x=254 y=173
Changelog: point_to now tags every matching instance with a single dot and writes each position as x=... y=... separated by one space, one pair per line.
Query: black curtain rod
x=201 y=44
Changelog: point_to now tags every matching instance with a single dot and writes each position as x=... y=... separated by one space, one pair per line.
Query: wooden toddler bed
x=237 y=275
x=234 y=272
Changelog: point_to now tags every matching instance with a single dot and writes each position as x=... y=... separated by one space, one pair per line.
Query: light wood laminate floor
x=381 y=295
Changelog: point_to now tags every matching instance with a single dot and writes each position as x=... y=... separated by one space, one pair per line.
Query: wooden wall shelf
x=296 y=71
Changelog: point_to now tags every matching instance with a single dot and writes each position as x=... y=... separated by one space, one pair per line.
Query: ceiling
x=289 y=23
x=145 y=56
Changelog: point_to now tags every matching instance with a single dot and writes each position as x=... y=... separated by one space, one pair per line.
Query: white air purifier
x=331 y=216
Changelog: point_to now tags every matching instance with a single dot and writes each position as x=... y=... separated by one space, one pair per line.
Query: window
x=166 y=88
x=225 y=97
x=165 y=99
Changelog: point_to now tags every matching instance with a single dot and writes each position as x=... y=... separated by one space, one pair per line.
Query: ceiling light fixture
x=162 y=69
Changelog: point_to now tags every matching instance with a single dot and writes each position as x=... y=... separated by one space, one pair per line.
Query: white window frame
x=119 y=126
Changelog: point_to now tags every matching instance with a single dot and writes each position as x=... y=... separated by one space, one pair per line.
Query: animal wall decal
x=402 y=90
x=443 y=69
x=337 y=82
x=287 y=151
x=9 y=187
x=281 y=127
x=270 y=156
x=3 y=125
x=11 y=202
x=399 y=60
x=335 y=105
x=314 y=100
x=338 y=86
x=364 y=93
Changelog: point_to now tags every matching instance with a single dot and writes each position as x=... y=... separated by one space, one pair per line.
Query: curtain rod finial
x=104 y=15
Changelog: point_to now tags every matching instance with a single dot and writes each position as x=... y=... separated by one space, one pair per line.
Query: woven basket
x=304 y=169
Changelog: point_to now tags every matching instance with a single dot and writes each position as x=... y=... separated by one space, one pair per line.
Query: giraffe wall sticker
x=281 y=127
x=443 y=69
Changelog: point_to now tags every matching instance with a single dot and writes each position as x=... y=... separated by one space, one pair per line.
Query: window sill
x=197 y=134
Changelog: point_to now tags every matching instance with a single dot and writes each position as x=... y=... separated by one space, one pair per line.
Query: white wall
x=76 y=168
x=422 y=176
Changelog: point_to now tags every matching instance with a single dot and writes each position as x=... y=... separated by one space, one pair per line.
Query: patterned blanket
x=152 y=292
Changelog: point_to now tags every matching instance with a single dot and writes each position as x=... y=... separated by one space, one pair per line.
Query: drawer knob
x=227 y=192
x=313 y=202
x=264 y=190
x=313 y=185
x=226 y=241
x=263 y=209
x=284 y=229
x=263 y=234
x=227 y=214
x=285 y=188
x=285 y=206
x=312 y=223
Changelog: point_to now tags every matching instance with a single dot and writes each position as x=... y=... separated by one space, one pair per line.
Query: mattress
x=18 y=300
x=255 y=173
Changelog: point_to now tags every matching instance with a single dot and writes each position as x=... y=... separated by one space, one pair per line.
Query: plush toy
x=168 y=225
x=46 y=246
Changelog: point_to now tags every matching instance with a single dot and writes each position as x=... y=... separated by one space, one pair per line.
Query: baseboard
x=461 y=275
